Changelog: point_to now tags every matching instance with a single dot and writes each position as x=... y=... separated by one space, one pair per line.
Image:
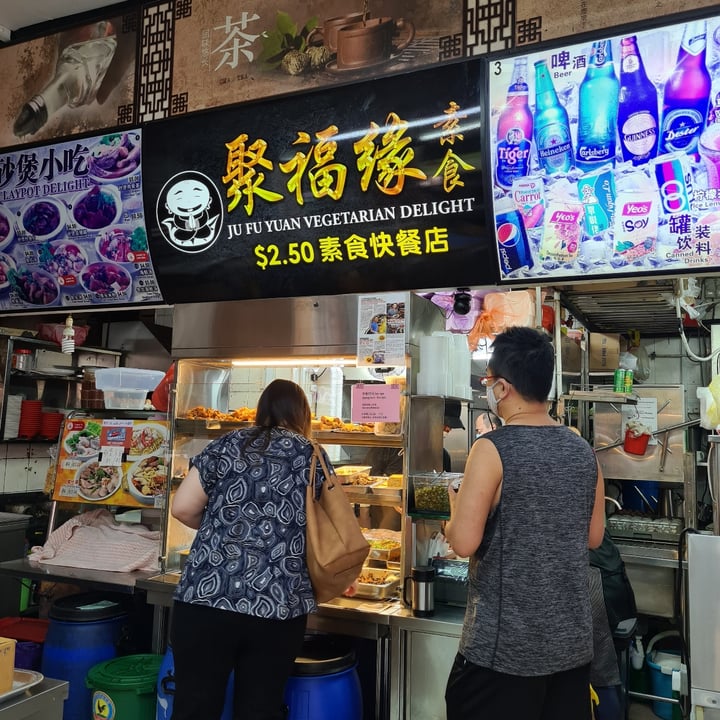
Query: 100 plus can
x=512 y=240
x=673 y=175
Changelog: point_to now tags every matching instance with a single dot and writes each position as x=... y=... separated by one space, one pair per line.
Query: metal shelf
x=215 y=428
x=608 y=396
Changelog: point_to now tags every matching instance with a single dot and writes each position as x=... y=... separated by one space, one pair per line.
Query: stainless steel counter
x=96 y=579
x=44 y=701
x=656 y=554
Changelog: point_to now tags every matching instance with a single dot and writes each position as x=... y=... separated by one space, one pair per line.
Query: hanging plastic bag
x=161 y=394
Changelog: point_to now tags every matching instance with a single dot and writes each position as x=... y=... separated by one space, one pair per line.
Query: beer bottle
x=552 y=129
x=514 y=130
x=638 y=109
x=598 y=109
x=687 y=92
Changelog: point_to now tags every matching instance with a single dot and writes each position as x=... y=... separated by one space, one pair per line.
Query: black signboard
x=363 y=187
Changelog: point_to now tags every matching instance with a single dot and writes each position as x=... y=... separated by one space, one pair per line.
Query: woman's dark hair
x=283 y=403
x=525 y=358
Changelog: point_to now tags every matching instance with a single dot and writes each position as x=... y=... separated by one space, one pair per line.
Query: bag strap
x=318 y=457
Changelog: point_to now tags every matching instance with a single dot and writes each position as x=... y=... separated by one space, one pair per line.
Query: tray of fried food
x=354 y=478
x=336 y=424
x=377 y=584
x=243 y=414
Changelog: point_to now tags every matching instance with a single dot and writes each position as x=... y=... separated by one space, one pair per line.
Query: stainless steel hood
x=618 y=307
x=286 y=327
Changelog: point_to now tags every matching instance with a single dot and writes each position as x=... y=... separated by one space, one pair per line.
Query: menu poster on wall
x=381 y=330
x=72 y=226
x=112 y=462
x=606 y=156
x=355 y=189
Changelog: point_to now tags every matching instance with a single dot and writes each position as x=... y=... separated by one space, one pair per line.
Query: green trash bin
x=125 y=688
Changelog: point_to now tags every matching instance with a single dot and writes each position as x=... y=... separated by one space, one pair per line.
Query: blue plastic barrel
x=325 y=684
x=83 y=630
x=166 y=690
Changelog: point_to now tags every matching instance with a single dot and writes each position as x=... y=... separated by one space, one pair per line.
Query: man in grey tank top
x=529 y=507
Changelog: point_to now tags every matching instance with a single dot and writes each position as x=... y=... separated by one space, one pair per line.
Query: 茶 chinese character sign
x=359 y=188
x=606 y=156
x=72 y=226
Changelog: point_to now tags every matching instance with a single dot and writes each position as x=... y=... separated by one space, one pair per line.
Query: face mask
x=491 y=400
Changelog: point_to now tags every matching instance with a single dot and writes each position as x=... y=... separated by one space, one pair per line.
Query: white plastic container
x=126 y=388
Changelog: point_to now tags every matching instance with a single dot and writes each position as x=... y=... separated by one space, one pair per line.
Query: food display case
x=226 y=357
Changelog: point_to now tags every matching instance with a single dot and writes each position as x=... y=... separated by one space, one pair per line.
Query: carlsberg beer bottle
x=598 y=107
x=552 y=129
x=638 y=111
x=687 y=91
x=514 y=130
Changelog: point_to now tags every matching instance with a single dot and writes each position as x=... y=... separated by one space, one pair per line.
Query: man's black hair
x=525 y=358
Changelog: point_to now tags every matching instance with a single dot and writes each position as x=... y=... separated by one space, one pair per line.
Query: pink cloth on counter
x=95 y=541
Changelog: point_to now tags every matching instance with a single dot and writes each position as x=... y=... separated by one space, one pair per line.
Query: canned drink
x=597 y=194
x=512 y=240
x=619 y=381
x=673 y=175
x=628 y=381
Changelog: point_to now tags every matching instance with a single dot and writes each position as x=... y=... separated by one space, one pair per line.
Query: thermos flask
x=422 y=600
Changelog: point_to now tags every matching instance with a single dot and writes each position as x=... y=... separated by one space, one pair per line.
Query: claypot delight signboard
x=72 y=226
x=367 y=187
x=606 y=156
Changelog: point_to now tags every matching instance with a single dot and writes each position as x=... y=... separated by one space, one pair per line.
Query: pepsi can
x=512 y=241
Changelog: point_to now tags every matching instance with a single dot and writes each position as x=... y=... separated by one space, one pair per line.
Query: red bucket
x=635 y=445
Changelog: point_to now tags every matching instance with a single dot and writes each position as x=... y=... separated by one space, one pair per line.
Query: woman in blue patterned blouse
x=245 y=592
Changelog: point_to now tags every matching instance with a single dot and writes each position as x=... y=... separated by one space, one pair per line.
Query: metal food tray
x=381 y=488
x=372 y=591
x=355 y=489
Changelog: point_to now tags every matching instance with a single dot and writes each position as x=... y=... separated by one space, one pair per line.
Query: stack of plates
x=30 y=412
x=50 y=424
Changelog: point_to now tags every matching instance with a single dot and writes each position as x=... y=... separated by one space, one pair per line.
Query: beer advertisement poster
x=364 y=188
x=606 y=156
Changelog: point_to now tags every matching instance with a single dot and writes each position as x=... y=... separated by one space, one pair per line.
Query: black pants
x=476 y=693
x=208 y=644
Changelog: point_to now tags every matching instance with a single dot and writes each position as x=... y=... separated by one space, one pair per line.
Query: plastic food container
x=22 y=360
x=126 y=388
x=431 y=491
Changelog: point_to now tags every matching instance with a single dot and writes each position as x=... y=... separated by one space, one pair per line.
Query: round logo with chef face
x=189 y=212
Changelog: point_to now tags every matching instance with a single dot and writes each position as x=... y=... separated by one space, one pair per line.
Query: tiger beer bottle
x=514 y=130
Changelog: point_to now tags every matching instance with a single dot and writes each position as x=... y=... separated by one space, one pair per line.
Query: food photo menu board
x=72 y=226
x=112 y=462
x=606 y=155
